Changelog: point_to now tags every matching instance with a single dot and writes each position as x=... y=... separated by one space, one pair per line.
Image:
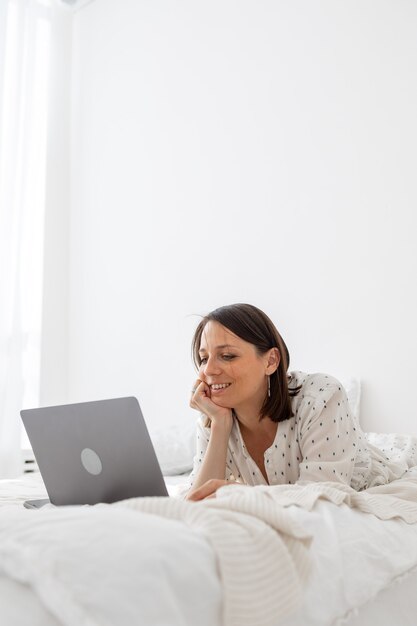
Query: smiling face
x=235 y=373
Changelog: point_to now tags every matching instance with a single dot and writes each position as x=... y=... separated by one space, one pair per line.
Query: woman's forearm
x=214 y=462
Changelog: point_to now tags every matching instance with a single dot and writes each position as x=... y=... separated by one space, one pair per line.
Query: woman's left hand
x=208 y=490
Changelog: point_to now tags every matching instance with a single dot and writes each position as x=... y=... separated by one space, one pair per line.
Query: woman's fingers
x=193 y=390
x=195 y=385
x=208 y=489
x=199 y=391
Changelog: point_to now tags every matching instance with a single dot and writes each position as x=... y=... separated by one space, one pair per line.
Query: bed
x=320 y=560
x=108 y=565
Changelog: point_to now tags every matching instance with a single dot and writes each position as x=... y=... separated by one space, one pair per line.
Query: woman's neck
x=251 y=425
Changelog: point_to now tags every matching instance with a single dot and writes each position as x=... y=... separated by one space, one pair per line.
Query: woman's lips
x=221 y=390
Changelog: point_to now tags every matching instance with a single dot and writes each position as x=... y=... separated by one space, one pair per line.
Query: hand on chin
x=220 y=402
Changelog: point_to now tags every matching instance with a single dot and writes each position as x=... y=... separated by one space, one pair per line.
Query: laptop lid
x=94 y=452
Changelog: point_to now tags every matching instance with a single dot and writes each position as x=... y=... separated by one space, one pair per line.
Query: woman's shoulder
x=313 y=384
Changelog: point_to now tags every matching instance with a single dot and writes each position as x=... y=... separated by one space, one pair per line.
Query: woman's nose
x=210 y=368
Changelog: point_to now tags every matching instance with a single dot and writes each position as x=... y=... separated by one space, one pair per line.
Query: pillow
x=175 y=447
x=353 y=390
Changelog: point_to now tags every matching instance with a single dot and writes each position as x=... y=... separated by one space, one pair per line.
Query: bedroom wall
x=232 y=151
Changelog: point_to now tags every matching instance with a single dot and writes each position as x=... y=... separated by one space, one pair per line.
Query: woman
x=261 y=425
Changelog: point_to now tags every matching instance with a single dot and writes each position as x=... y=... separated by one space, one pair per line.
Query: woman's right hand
x=221 y=418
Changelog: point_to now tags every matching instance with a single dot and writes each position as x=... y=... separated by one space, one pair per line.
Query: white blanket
x=72 y=556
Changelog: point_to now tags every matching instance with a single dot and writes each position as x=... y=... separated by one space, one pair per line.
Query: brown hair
x=254 y=326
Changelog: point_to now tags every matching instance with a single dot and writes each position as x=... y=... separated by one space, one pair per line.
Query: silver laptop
x=93 y=452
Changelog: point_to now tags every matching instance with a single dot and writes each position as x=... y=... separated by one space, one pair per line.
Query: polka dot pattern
x=321 y=442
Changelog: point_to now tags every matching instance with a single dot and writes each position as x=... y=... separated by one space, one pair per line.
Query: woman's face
x=231 y=367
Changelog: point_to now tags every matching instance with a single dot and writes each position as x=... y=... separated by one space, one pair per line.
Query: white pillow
x=175 y=445
x=353 y=390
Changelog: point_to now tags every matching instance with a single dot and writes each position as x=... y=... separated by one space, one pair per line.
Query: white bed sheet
x=395 y=605
x=356 y=556
x=21 y=607
x=356 y=560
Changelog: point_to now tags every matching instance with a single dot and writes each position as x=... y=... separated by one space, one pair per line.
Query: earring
x=269 y=387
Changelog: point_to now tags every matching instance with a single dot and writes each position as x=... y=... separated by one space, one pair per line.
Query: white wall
x=253 y=151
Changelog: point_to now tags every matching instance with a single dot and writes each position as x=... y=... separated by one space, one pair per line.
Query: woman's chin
x=223 y=403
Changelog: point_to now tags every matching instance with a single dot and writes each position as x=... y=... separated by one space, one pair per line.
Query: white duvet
x=108 y=565
x=114 y=565
x=355 y=556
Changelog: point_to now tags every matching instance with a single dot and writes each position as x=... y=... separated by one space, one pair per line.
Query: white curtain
x=24 y=71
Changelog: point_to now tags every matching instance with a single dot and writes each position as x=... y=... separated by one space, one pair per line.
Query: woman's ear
x=273 y=361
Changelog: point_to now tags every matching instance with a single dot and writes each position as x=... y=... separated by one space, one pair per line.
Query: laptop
x=93 y=452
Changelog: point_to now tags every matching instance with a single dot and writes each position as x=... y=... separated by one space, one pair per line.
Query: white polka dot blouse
x=321 y=442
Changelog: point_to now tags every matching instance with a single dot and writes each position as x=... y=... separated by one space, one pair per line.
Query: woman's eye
x=226 y=357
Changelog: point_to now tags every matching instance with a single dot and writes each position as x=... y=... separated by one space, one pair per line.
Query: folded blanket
x=397 y=499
